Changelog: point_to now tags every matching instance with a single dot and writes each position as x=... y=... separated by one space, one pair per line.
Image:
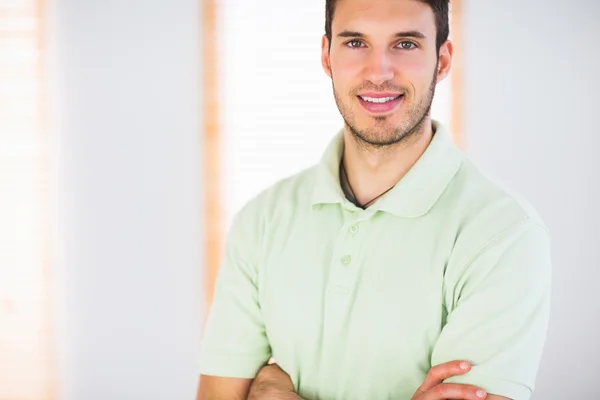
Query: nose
x=379 y=67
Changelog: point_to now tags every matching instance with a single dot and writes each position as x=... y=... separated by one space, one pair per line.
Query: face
x=384 y=67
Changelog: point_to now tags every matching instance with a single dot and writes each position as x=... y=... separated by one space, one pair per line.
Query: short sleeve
x=235 y=343
x=498 y=311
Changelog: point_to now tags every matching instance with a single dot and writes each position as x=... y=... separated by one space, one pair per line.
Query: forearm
x=272 y=383
x=271 y=391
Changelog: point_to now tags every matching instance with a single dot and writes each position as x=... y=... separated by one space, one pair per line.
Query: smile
x=380 y=103
x=379 y=100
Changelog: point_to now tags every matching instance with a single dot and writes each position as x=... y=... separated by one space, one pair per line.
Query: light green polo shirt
x=359 y=304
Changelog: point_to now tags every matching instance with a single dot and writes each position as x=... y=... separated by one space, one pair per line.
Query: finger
x=439 y=373
x=455 y=391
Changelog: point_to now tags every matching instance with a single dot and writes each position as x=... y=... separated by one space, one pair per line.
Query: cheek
x=346 y=68
x=413 y=67
x=344 y=82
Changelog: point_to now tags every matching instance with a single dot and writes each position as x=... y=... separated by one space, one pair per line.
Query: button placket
x=341 y=276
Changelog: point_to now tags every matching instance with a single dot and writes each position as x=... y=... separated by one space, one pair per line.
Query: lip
x=379 y=95
x=380 y=108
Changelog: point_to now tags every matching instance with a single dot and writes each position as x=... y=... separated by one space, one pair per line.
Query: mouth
x=380 y=103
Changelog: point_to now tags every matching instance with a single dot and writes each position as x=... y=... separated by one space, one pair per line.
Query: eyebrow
x=413 y=34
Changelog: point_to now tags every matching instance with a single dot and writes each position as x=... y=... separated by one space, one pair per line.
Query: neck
x=373 y=170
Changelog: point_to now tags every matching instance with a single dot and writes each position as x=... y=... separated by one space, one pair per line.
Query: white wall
x=278 y=110
x=130 y=197
x=532 y=91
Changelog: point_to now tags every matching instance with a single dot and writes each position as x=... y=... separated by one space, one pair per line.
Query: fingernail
x=481 y=394
x=464 y=365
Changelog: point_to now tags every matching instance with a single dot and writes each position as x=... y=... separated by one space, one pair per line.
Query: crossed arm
x=272 y=383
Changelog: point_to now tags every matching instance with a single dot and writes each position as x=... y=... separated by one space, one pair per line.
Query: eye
x=354 y=44
x=406 y=45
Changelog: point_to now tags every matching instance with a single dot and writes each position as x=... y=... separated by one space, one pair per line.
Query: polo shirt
x=360 y=304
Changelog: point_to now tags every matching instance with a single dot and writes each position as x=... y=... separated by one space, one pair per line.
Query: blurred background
x=132 y=131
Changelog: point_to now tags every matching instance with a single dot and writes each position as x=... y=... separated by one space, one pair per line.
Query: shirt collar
x=417 y=191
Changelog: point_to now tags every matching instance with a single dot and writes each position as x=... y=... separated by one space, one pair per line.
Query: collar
x=413 y=196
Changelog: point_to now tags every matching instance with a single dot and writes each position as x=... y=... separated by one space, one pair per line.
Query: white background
x=130 y=279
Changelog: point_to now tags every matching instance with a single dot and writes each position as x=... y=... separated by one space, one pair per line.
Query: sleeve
x=498 y=311
x=235 y=343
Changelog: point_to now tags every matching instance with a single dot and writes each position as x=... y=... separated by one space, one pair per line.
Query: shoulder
x=501 y=243
x=485 y=200
x=282 y=199
x=488 y=213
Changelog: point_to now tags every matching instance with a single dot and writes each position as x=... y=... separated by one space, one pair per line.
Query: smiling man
x=395 y=268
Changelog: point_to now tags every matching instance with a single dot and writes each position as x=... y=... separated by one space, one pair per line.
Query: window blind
x=26 y=370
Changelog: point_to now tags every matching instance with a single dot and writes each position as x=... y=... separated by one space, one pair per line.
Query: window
x=25 y=331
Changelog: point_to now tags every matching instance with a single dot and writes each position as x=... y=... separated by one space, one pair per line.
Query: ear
x=445 y=60
x=325 y=61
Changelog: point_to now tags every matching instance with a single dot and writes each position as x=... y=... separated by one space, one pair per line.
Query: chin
x=378 y=137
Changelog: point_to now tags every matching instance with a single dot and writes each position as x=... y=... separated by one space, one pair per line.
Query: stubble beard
x=382 y=134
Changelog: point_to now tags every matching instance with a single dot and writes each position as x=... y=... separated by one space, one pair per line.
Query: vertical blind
x=26 y=371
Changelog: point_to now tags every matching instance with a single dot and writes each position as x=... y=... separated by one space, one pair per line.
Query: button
x=346 y=260
x=354 y=229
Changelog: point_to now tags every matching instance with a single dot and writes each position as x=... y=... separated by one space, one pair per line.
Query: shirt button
x=346 y=260
x=354 y=229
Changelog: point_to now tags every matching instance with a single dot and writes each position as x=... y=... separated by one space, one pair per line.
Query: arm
x=234 y=345
x=272 y=383
x=219 y=388
x=498 y=309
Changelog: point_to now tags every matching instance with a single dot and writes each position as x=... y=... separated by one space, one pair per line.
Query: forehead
x=383 y=15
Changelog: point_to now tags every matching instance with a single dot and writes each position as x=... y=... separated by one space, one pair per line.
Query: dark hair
x=440 y=11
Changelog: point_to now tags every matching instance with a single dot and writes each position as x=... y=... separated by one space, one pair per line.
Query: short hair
x=440 y=10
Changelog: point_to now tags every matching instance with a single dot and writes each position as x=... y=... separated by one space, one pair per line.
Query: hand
x=433 y=387
x=272 y=383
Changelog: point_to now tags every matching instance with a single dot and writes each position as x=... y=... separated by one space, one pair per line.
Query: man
x=394 y=269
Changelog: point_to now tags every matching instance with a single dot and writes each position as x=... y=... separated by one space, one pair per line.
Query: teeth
x=378 y=100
